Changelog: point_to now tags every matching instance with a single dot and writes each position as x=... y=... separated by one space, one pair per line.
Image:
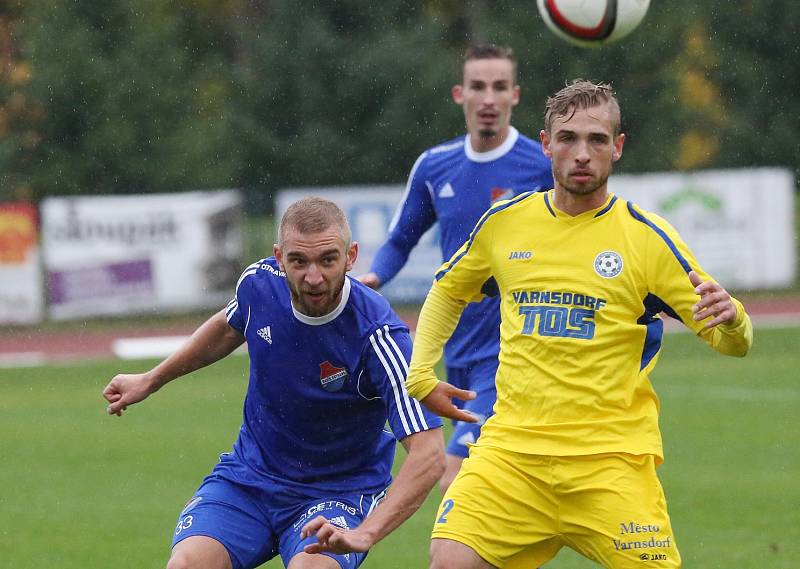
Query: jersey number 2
x=446 y=507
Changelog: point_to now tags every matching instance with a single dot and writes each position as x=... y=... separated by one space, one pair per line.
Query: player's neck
x=488 y=143
x=575 y=204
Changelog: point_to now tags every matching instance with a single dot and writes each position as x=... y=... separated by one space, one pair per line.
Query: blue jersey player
x=309 y=475
x=454 y=183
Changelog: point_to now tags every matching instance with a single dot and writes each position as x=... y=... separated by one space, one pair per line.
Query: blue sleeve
x=387 y=365
x=237 y=311
x=414 y=216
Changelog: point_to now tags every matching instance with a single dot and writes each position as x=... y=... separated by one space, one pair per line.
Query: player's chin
x=317 y=305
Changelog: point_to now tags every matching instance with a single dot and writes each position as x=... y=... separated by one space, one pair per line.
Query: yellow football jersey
x=580 y=303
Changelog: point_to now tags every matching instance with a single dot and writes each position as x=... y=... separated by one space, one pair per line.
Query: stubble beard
x=580 y=190
x=309 y=309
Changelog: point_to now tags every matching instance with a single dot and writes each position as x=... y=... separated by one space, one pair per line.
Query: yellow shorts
x=517 y=510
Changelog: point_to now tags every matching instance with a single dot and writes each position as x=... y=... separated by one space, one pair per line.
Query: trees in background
x=153 y=96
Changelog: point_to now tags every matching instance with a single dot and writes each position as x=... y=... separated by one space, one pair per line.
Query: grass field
x=82 y=490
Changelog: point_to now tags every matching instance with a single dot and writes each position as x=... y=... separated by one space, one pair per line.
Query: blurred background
x=145 y=146
x=138 y=97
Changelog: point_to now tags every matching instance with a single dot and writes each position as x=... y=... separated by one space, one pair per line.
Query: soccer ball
x=592 y=23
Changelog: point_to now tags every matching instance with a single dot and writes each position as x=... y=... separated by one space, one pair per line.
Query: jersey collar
x=503 y=149
x=549 y=201
x=320 y=320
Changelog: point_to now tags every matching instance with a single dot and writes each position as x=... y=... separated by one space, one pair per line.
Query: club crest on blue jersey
x=331 y=378
x=501 y=194
x=608 y=264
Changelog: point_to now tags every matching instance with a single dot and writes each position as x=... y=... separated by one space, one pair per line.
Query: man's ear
x=619 y=141
x=457 y=91
x=544 y=136
x=276 y=251
x=352 y=255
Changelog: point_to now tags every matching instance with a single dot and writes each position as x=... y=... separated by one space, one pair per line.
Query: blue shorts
x=256 y=524
x=478 y=377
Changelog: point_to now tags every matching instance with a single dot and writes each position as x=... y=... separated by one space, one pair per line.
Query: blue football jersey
x=321 y=389
x=454 y=185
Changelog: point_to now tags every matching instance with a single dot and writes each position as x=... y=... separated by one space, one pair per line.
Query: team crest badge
x=331 y=377
x=608 y=264
x=502 y=194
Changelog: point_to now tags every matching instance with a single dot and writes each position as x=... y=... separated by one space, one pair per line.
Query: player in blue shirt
x=328 y=360
x=454 y=183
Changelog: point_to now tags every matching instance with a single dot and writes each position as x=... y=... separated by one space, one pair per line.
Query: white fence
x=739 y=223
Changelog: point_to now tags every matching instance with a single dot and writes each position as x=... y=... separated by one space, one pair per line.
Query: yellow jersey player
x=570 y=456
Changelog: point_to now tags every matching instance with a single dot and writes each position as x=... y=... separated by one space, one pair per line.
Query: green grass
x=80 y=489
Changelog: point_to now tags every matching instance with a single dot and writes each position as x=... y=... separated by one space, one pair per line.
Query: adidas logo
x=447 y=191
x=266 y=334
x=339 y=521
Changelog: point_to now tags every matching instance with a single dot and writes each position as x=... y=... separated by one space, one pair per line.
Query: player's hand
x=371 y=280
x=440 y=401
x=333 y=538
x=126 y=389
x=714 y=303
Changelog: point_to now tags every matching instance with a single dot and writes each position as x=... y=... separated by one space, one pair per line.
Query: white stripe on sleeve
x=402 y=359
x=401 y=205
x=393 y=380
x=400 y=375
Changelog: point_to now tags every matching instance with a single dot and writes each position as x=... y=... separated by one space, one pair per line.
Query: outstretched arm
x=422 y=468
x=415 y=214
x=211 y=342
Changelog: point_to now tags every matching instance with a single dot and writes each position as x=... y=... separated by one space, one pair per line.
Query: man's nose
x=582 y=154
x=313 y=275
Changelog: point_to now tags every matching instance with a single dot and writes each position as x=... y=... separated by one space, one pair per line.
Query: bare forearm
x=211 y=342
x=421 y=470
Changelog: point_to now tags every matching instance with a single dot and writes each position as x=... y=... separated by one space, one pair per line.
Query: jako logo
x=520 y=255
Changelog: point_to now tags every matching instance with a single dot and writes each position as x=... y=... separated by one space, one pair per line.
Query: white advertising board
x=141 y=253
x=20 y=265
x=739 y=223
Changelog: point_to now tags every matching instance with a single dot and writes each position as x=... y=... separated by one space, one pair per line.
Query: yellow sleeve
x=668 y=275
x=458 y=282
x=437 y=320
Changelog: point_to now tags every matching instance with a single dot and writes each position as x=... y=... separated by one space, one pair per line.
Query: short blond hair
x=582 y=94
x=314 y=215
